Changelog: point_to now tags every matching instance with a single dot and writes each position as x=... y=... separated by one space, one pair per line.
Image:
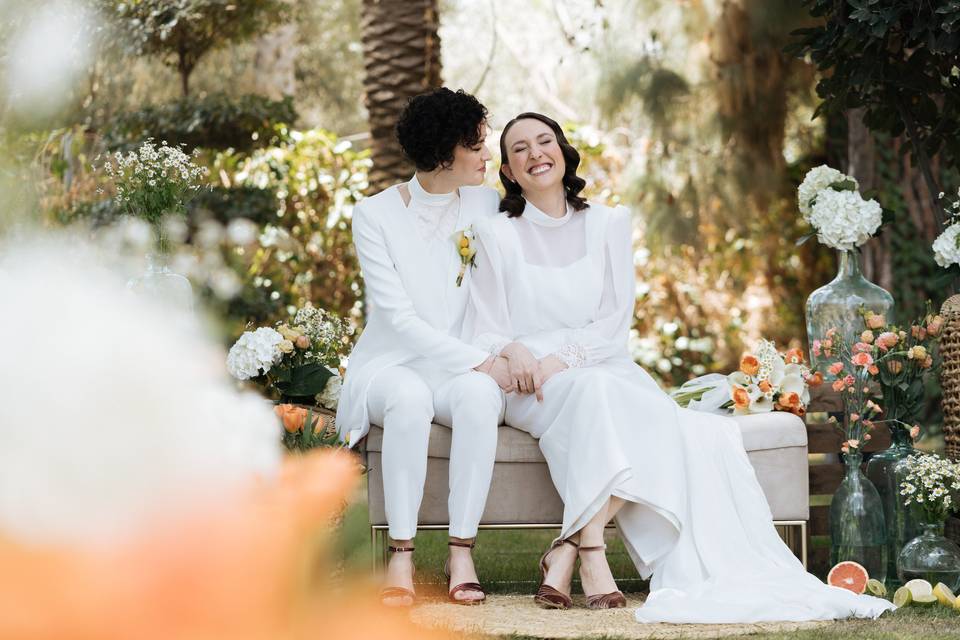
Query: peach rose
x=749 y=365
x=854 y=417
x=867 y=336
x=835 y=368
x=918 y=352
x=848 y=380
x=873 y=369
x=838 y=385
x=788 y=401
x=765 y=386
x=862 y=347
x=862 y=359
x=794 y=356
x=887 y=340
x=935 y=325
x=741 y=399
x=853 y=442
x=918 y=332
x=874 y=320
x=302 y=342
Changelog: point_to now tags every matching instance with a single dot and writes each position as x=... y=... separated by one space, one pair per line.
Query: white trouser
x=401 y=401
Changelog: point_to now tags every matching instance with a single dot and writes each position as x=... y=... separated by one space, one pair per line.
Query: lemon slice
x=943 y=593
x=902 y=597
x=925 y=600
x=919 y=587
x=876 y=587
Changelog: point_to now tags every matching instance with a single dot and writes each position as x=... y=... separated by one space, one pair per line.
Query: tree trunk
x=402 y=58
x=275 y=63
x=862 y=165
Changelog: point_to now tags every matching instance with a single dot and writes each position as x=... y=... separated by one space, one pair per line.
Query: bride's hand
x=524 y=369
x=551 y=366
x=500 y=372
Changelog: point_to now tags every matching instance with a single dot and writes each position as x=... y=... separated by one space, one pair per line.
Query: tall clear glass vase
x=886 y=470
x=837 y=305
x=857 y=529
x=161 y=284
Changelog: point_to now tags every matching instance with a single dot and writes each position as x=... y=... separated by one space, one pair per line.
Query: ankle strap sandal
x=612 y=600
x=464 y=586
x=388 y=593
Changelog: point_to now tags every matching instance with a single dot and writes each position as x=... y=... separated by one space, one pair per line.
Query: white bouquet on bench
x=767 y=380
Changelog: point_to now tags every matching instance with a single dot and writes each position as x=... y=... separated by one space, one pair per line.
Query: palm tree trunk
x=401 y=50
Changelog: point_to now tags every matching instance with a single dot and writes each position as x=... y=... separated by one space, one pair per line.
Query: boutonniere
x=467 y=250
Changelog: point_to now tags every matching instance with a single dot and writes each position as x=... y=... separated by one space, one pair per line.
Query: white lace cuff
x=572 y=355
x=497 y=346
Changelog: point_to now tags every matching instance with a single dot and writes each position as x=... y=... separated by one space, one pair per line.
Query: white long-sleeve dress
x=696 y=519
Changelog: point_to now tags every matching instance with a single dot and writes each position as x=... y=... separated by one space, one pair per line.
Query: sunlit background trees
x=694 y=113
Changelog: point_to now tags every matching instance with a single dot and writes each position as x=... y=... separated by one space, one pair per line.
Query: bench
x=522 y=495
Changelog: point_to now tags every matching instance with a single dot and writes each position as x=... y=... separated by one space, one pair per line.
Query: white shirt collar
x=536 y=216
x=421 y=196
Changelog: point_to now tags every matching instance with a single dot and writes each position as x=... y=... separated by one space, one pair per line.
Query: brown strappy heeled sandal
x=613 y=600
x=398 y=592
x=548 y=597
x=466 y=586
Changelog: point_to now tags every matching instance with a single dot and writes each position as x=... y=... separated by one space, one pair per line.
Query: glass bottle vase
x=886 y=470
x=837 y=305
x=161 y=284
x=932 y=557
x=857 y=529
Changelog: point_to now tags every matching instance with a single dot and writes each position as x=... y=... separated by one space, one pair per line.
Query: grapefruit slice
x=919 y=587
x=849 y=575
x=944 y=594
x=902 y=597
x=877 y=588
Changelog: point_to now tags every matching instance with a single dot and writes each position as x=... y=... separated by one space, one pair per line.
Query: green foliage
x=181 y=32
x=898 y=61
x=216 y=121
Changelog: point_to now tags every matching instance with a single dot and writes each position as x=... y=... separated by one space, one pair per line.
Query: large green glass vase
x=886 y=470
x=857 y=528
x=836 y=305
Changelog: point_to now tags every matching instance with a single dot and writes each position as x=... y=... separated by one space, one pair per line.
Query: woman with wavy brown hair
x=553 y=292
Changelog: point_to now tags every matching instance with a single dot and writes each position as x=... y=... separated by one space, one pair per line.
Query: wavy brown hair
x=513 y=202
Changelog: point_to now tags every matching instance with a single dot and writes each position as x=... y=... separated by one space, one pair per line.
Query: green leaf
x=305 y=380
x=806 y=237
x=844 y=185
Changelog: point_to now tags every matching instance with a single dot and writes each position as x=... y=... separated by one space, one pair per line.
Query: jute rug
x=517 y=614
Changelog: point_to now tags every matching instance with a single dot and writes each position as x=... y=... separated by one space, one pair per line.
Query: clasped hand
x=516 y=370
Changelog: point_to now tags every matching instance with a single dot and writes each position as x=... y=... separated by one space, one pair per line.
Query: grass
x=507 y=562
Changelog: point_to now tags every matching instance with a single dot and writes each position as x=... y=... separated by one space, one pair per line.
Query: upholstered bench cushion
x=521 y=491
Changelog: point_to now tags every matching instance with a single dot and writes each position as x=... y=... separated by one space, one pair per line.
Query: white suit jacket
x=408 y=315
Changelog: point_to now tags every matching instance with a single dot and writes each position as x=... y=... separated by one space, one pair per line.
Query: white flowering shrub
x=932 y=483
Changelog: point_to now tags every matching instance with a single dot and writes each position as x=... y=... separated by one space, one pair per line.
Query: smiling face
x=533 y=159
x=470 y=163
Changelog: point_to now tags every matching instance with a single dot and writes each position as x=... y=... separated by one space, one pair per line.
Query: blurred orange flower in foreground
x=294 y=418
x=250 y=567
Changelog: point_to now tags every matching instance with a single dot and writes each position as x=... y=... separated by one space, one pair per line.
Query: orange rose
x=741 y=399
x=838 y=385
x=749 y=365
x=835 y=368
x=788 y=401
x=794 y=356
x=815 y=380
x=765 y=386
x=874 y=320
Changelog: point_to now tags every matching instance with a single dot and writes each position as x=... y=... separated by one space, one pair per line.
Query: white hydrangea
x=254 y=353
x=843 y=219
x=816 y=180
x=945 y=249
x=330 y=396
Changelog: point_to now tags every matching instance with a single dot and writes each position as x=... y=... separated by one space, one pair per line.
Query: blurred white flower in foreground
x=115 y=412
x=47 y=56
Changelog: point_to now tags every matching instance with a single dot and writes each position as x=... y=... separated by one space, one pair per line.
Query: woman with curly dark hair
x=554 y=293
x=409 y=366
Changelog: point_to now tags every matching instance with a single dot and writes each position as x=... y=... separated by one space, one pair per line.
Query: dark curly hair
x=432 y=124
x=514 y=203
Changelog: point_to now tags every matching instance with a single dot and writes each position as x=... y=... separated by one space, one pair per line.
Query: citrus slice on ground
x=919 y=587
x=902 y=597
x=849 y=575
x=925 y=600
x=876 y=587
x=943 y=593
